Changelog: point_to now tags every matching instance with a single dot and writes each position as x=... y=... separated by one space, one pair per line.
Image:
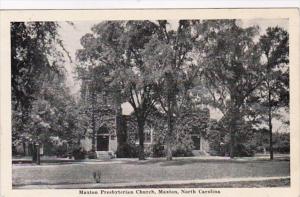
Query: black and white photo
x=149 y=103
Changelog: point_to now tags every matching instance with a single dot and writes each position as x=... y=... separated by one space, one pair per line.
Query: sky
x=71 y=35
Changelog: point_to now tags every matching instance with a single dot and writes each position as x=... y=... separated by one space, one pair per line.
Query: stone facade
x=152 y=133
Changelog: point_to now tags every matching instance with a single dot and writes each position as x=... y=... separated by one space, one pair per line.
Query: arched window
x=103 y=130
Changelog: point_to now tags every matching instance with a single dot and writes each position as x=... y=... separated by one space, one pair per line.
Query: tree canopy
x=178 y=71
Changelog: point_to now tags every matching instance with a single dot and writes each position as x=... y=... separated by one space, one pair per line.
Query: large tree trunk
x=233 y=127
x=170 y=103
x=232 y=142
x=141 y=124
x=270 y=126
x=121 y=130
x=271 y=138
x=94 y=100
x=170 y=127
x=169 y=138
x=94 y=131
x=118 y=119
x=34 y=155
x=38 y=156
x=24 y=148
x=121 y=139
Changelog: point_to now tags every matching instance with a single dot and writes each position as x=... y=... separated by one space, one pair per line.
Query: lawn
x=129 y=171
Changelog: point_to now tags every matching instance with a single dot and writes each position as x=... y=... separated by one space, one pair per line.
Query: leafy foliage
x=274 y=91
x=41 y=104
x=167 y=74
x=232 y=70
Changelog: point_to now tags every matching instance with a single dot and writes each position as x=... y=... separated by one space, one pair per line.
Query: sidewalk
x=150 y=184
x=45 y=159
x=61 y=161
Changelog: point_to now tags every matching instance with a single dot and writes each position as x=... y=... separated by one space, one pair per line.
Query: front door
x=102 y=142
x=196 y=140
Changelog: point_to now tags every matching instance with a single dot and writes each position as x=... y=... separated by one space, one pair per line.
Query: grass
x=149 y=170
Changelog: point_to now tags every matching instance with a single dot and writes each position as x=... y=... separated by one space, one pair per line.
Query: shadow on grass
x=185 y=161
x=162 y=161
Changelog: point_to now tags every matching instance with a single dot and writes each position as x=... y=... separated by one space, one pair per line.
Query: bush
x=281 y=143
x=79 y=154
x=182 y=153
x=61 y=151
x=158 y=150
x=242 y=150
x=148 y=150
x=260 y=149
x=127 y=151
x=280 y=149
x=182 y=150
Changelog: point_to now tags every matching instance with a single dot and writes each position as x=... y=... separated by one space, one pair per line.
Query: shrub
x=260 y=149
x=182 y=153
x=158 y=150
x=242 y=150
x=182 y=150
x=281 y=142
x=61 y=151
x=79 y=154
x=127 y=151
x=148 y=150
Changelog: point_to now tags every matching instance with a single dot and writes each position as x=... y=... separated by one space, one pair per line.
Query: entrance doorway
x=196 y=140
x=102 y=142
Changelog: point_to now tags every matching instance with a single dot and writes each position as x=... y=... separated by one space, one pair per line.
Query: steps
x=199 y=153
x=105 y=155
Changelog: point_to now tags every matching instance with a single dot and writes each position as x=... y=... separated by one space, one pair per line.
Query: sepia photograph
x=160 y=104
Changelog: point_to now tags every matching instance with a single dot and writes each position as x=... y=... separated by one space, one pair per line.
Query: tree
x=274 y=91
x=115 y=48
x=36 y=60
x=52 y=114
x=66 y=119
x=170 y=57
x=232 y=69
x=32 y=45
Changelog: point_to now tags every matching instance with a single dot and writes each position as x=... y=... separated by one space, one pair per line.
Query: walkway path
x=155 y=184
